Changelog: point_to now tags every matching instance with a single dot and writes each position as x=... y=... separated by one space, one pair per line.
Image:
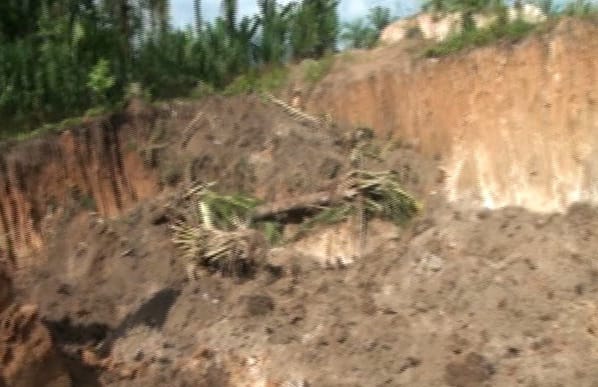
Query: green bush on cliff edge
x=470 y=38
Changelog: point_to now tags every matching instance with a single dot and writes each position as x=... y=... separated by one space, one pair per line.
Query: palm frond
x=384 y=195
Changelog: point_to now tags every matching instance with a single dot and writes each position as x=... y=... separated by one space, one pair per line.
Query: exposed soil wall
x=106 y=166
x=513 y=124
x=94 y=166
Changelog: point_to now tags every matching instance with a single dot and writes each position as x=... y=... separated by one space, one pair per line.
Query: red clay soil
x=92 y=164
x=513 y=124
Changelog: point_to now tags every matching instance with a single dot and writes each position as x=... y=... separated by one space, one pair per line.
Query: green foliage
x=228 y=212
x=379 y=17
x=314 y=28
x=358 y=34
x=581 y=8
x=272 y=40
x=258 y=81
x=229 y=252
x=202 y=90
x=58 y=59
x=272 y=232
x=315 y=70
x=512 y=32
x=222 y=239
x=329 y=215
x=101 y=79
x=384 y=196
x=547 y=6
x=461 y=5
x=364 y=32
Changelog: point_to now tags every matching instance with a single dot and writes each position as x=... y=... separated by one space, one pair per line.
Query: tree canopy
x=364 y=32
x=59 y=58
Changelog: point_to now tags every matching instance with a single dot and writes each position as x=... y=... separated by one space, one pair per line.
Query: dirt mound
x=27 y=354
x=115 y=293
x=26 y=350
x=457 y=298
x=109 y=165
x=495 y=298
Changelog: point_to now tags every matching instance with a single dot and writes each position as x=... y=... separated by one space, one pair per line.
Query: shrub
x=101 y=80
x=512 y=32
x=254 y=81
x=315 y=70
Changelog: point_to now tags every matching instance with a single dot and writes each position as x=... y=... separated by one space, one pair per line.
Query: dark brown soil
x=454 y=298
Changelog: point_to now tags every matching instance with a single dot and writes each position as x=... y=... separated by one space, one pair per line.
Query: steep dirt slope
x=513 y=124
x=28 y=357
x=93 y=165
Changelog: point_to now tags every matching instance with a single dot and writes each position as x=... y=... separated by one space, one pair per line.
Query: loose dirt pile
x=27 y=353
x=453 y=298
x=456 y=299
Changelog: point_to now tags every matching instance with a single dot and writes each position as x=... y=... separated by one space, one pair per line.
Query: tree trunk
x=305 y=202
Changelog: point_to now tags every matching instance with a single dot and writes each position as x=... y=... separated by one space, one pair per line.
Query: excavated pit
x=461 y=296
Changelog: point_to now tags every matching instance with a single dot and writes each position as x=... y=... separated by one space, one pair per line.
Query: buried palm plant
x=367 y=195
x=218 y=236
x=228 y=233
x=383 y=195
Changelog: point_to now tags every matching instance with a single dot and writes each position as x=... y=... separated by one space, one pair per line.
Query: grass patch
x=44 y=129
x=512 y=32
x=316 y=70
x=272 y=232
x=202 y=90
x=88 y=202
x=55 y=127
x=258 y=81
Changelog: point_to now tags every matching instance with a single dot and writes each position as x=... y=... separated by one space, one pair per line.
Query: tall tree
x=229 y=13
x=197 y=16
x=274 y=23
x=357 y=34
x=379 y=17
x=315 y=28
x=58 y=58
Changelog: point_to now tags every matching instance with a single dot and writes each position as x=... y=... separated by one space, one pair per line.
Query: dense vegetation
x=60 y=58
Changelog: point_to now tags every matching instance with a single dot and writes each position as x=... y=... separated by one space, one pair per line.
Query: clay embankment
x=511 y=124
x=92 y=165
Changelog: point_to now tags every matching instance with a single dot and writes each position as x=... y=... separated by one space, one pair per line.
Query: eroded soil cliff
x=513 y=124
